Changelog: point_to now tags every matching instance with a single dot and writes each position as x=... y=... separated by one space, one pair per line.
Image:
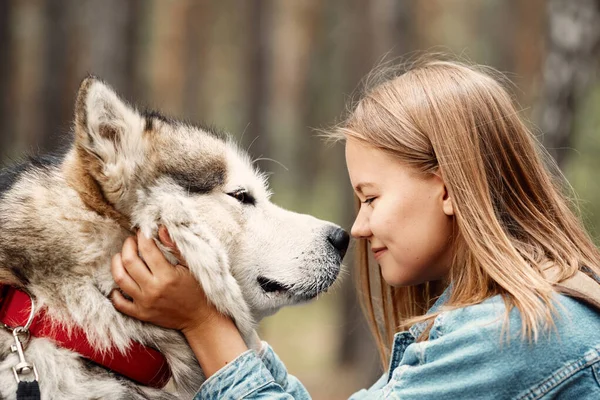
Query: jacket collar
x=404 y=339
x=583 y=285
x=417 y=329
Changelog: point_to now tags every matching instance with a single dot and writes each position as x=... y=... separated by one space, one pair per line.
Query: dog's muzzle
x=339 y=240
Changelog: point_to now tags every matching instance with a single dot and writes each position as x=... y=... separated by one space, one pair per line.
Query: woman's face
x=405 y=216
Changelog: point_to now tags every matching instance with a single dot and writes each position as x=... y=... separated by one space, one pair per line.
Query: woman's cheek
x=384 y=220
x=374 y=224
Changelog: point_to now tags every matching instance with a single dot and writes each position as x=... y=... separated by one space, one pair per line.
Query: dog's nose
x=340 y=239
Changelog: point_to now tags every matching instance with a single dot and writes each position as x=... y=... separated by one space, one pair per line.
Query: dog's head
x=148 y=170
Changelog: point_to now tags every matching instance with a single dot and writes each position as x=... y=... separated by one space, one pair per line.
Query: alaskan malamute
x=62 y=218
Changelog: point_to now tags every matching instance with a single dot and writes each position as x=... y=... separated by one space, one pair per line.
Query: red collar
x=141 y=363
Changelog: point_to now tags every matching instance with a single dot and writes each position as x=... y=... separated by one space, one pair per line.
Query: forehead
x=369 y=165
x=189 y=155
x=208 y=159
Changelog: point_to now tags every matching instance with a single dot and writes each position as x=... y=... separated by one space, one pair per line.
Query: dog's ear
x=105 y=125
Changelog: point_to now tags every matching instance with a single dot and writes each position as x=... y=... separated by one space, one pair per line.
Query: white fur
x=227 y=245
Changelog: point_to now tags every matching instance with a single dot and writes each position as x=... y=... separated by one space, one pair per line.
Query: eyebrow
x=360 y=186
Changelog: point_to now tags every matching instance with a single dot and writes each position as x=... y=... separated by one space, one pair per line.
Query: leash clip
x=23 y=367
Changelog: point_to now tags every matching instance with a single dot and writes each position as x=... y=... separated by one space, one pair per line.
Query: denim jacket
x=468 y=356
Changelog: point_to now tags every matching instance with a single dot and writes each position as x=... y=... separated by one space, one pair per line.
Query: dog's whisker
x=251 y=143
x=243 y=133
x=270 y=159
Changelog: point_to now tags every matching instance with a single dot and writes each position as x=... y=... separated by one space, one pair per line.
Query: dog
x=63 y=217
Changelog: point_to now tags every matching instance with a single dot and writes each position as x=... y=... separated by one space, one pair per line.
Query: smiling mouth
x=271 y=286
x=378 y=252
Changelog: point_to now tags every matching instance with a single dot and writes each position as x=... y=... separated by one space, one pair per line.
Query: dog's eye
x=242 y=196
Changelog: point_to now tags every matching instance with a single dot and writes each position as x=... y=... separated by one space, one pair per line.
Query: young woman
x=473 y=239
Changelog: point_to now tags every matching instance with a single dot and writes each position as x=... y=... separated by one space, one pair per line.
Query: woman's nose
x=360 y=228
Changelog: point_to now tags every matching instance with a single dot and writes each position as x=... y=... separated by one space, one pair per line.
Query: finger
x=122 y=277
x=155 y=259
x=165 y=238
x=134 y=265
x=151 y=253
x=123 y=305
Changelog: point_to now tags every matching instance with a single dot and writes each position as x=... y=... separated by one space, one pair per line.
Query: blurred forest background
x=269 y=72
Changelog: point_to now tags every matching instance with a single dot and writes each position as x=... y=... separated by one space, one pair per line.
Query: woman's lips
x=378 y=252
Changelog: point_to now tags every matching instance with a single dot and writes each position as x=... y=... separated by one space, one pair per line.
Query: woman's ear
x=447 y=206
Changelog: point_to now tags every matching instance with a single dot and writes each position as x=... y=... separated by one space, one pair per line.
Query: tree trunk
x=197 y=28
x=5 y=67
x=527 y=46
x=55 y=113
x=27 y=22
x=257 y=81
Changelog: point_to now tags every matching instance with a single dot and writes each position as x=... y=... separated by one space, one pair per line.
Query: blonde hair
x=512 y=219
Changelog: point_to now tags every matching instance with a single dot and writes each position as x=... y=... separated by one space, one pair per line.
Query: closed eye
x=369 y=200
x=243 y=197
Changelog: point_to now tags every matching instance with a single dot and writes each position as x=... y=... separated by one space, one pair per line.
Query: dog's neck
x=76 y=171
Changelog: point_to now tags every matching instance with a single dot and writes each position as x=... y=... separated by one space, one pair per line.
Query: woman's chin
x=395 y=275
x=392 y=274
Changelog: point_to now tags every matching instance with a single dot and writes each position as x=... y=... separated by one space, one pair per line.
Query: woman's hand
x=163 y=294
x=169 y=296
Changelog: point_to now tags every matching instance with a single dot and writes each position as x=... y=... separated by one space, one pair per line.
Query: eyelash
x=369 y=200
x=243 y=197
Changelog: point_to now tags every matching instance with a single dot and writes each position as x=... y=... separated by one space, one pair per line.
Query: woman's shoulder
x=565 y=352
x=487 y=355
x=571 y=317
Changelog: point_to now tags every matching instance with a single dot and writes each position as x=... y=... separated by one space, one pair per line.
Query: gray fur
x=62 y=221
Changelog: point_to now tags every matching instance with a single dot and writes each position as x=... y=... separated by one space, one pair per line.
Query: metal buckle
x=29 y=320
x=23 y=367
